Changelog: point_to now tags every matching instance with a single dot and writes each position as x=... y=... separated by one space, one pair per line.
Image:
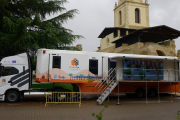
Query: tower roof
x=155 y=34
x=110 y=30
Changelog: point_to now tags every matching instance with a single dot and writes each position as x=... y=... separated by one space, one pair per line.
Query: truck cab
x=15 y=77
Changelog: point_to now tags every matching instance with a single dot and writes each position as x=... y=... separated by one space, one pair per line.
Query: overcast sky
x=95 y=15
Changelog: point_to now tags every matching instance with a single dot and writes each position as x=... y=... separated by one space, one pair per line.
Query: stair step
x=99 y=99
x=107 y=91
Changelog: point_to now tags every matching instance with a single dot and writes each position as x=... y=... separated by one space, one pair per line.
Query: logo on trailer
x=74 y=63
x=3 y=80
x=13 y=61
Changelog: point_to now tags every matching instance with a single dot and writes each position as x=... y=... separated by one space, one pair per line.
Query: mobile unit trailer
x=93 y=73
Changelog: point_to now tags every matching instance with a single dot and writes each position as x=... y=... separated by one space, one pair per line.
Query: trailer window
x=57 y=62
x=93 y=66
x=143 y=69
x=9 y=71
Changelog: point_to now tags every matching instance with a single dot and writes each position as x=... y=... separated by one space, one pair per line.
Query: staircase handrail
x=104 y=77
x=101 y=86
x=109 y=83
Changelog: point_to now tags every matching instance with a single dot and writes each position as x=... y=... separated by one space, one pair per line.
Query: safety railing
x=140 y=74
x=106 y=81
x=63 y=97
x=104 y=77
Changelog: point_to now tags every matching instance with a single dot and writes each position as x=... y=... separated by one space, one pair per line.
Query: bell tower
x=132 y=14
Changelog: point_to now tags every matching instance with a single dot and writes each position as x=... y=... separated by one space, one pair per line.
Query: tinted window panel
x=9 y=71
x=14 y=70
x=56 y=62
x=93 y=63
x=93 y=66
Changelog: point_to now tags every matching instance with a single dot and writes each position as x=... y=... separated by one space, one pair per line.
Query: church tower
x=133 y=14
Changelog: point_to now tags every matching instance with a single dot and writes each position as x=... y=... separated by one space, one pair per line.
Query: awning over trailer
x=143 y=57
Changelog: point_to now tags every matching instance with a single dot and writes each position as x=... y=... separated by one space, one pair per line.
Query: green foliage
x=99 y=116
x=33 y=62
x=129 y=65
x=142 y=75
x=159 y=68
x=178 y=115
x=138 y=66
x=25 y=27
x=128 y=72
x=147 y=67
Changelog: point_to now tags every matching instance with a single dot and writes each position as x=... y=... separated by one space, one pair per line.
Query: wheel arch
x=152 y=88
x=76 y=87
x=140 y=88
x=10 y=89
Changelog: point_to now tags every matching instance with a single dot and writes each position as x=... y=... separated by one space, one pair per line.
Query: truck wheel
x=12 y=96
x=152 y=92
x=139 y=93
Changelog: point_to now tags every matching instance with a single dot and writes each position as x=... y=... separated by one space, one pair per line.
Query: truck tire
x=152 y=92
x=140 y=93
x=12 y=96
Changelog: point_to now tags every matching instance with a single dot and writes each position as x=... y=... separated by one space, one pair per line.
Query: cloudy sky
x=95 y=15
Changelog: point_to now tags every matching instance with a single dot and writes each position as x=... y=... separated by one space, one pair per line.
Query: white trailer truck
x=89 y=70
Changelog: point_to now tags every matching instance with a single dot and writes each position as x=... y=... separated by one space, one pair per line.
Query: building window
x=93 y=66
x=6 y=71
x=57 y=62
x=107 y=41
x=137 y=16
x=115 y=33
x=120 y=17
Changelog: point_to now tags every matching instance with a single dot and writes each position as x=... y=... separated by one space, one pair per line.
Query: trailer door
x=105 y=66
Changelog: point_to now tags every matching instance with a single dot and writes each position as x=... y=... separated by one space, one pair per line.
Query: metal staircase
x=107 y=85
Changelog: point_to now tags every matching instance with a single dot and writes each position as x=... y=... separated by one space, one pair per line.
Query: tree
x=70 y=74
x=81 y=75
x=178 y=115
x=96 y=76
x=100 y=115
x=25 y=27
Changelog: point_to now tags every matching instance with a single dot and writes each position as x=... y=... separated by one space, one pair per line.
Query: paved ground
x=130 y=109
